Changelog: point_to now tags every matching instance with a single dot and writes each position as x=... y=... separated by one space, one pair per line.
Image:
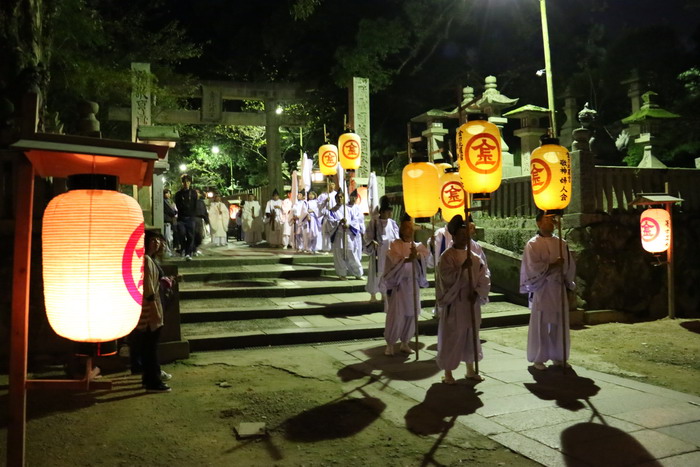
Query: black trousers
x=146 y=343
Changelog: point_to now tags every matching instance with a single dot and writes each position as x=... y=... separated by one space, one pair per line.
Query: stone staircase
x=249 y=297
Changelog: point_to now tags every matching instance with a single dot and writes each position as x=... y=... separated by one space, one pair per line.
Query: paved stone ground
x=575 y=417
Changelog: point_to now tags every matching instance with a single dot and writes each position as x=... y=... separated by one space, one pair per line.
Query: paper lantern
x=421 y=181
x=452 y=195
x=92 y=241
x=349 y=147
x=655 y=229
x=328 y=159
x=550 y=175
x=479 y=152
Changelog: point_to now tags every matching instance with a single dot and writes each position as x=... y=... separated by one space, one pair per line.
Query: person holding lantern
x=382 y=230
x=345 y=228
x=296 y=217
x=463 y=286
x=541 y=274
x=310 y=223
x=326 y=201
x=401 y=281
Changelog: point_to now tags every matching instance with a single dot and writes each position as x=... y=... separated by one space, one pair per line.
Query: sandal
x=449 y=381
x=474 y=377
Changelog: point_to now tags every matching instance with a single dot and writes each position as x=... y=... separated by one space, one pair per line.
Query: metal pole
x=548 y=69
x=19 y=336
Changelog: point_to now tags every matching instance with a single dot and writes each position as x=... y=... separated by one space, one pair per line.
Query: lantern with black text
x=328 y=159
x=92 y=241
x=655 y=229
x=479 y=152
x=452 y=195
x=349 y=151
x=421 y=181
x=550 y=175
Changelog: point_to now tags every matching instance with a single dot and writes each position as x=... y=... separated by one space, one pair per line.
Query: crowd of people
x=398 y=266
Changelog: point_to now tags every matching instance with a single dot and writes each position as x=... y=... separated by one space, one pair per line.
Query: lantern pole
x=548 y=69
x=416 y=304
x=470 y=296
x=564 y=310
x=669 y=268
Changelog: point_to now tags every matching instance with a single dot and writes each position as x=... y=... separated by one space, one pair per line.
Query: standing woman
x=382 y=230
x=218 y=219
x=457 y=297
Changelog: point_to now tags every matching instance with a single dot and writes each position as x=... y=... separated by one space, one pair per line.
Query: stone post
x=581 y=210
x=435 y=136
x=359 y=121
x=570 y=111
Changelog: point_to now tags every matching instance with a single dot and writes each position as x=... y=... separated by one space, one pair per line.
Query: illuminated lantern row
x=349 y=150
x=328 y=159
x=92 y=241
x=655 y=229
x=421 y=180
x=479 y=152
x=452 y=195
x=550 y=175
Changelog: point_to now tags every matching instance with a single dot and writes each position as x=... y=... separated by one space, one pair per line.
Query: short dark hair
x=185 y=177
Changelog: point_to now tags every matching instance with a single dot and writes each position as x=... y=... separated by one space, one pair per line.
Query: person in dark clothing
x=186 y=203
x=202 y=216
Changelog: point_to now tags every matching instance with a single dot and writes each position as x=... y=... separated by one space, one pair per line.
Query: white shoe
x=165 y=376
x=188 y=258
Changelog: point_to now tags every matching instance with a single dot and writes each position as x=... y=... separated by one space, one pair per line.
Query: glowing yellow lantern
x=550 y=175
x=452 y=195
x=328 y=159
x=479 y=152
x=655 y=228
x=421 y=181
x=92 y=241
x=350 y=147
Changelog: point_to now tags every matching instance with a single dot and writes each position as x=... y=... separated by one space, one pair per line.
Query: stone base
x=175 y=350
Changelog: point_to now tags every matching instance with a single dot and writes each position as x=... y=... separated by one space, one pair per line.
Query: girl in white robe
x=310 y=223
x=456 y=333
x=401 y=282
x=298 y=239
x=344 y=224
x=382 y=230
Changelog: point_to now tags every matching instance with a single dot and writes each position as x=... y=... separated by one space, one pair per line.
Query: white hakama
x=382 y=231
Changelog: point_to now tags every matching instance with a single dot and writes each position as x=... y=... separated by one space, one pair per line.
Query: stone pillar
x=359 y=121
x=581 y=210
x=159 y=168
x=435 y=136
x=570 y=111
x=274 y=156
x=634 y=92
x=140 y=96
x=529 y=141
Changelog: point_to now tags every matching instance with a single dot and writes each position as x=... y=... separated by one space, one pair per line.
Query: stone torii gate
x=143 y=112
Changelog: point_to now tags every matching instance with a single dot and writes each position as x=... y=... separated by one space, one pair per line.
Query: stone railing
x=512 y=199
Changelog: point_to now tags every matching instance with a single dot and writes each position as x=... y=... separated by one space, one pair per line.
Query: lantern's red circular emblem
x=649 y=228
x=351 y=149
x=540 y=176
x=133 y=284
x=452 y=195
x=329 y=158
x=483 y=153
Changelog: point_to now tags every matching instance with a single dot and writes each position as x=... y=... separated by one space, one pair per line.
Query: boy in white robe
x=402 y=287
x=274 y=225
x=382 y=230
x=298 y=241
x=326 y=202
x=286 y=218
x=345 y=225
x=457 y=297
x=541 y=277
x=218 y=220
x=310 y=223
x=251 y=220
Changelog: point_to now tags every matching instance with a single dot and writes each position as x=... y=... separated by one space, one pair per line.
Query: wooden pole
x=416 y=301
x=564 y=309
x=471 y=289
x=16 y=426
x=669 y=261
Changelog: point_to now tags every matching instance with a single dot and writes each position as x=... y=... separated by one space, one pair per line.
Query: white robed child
x=404 y=276
x=326 y=202
x=274 y=221
x=218 y=220
x=541 y=274
x=251 y=221
x=310 y=223
x=458 y=297
x=345 y=226
x=296 y=224
x=382 y=230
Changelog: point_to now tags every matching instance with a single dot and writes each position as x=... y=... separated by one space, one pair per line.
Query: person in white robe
x=458 y=330
x=345 y=223
x=218 y=220
x=298 y=235
x=274 y=226
x=439 y=242
x=326 y=202
x=404 y=276
x=542 y=271
x=310 y=223
x=382 y=230
x=286 y=218
x=252 y=223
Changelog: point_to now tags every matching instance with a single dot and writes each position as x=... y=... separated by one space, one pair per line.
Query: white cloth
x=382 y=231
x=326 y=202
x=443 y=241
x=346 y=262
x=402 y=287
x=310 y=225
x=455 y=331
x=297 y=234
x=252 y=222
x=218 y=220
x=286 y=219
x=545 y=295
x=274 y=223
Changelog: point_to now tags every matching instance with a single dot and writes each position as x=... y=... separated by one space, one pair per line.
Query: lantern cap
x=643 y=199
x=422 y=220
x=450 y=170
x=546 y=139
x=481 y=196
x=477 y=116
x=420 y=157
x=93 y=182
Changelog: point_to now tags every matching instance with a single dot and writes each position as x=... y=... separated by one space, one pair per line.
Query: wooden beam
x=194 y=117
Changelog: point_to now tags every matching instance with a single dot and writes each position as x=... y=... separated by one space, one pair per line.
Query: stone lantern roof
x=650 y=110
x=492 y=101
